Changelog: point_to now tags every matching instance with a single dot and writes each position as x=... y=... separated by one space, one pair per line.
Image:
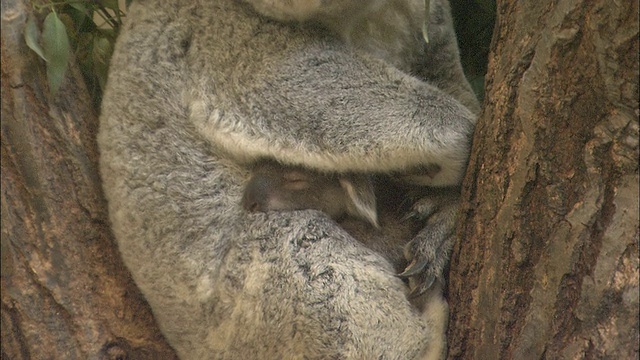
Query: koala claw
x=423 y=287
x=415 y=215
x=422 y=209
x=421 y=279
x=414 y=268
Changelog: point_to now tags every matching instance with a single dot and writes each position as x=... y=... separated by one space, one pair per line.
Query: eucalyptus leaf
x=80 y=14
x=80 y=7
x=57 y=50
x=110 y=4
x=102 y=50
x=31 y=35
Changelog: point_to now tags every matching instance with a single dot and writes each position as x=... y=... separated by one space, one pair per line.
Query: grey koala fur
x=199 y=89
x=273 y=186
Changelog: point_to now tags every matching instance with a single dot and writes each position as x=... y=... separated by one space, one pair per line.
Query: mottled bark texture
x=65 y=291
x=547 y=262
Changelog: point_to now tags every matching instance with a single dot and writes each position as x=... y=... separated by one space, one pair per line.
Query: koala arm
x=316 y=102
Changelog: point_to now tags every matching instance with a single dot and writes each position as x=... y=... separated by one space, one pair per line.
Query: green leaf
x=80 y=7
x=110 y=4
x=102 y=50
x=79 y=14
x=57 y=50
x=31 y=35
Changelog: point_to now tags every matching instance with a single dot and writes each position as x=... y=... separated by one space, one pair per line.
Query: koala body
x=199 y=89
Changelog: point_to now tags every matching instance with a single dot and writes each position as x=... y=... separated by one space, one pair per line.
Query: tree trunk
x=65 y=291
x=547 y=262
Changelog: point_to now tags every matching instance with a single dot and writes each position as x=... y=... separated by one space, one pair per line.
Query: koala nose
x=254 y=207
x=250 y=203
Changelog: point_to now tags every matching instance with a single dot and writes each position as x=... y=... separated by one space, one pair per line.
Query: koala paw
x=428 y=252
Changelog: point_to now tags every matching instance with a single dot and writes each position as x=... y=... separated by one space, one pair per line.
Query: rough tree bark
x=65 y=291
x=547 y=262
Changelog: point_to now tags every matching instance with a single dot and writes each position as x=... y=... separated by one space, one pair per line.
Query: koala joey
x=276 y=187
x=197 y=90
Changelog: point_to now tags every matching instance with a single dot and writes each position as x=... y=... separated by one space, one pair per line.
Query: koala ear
x=362 y=198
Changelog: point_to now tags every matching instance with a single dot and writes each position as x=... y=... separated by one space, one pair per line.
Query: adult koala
x=198 y=90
